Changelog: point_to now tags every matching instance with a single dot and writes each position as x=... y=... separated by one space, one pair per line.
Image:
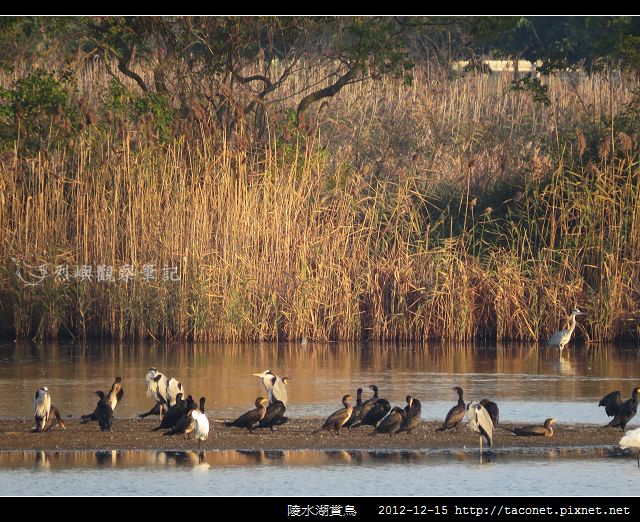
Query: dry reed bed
x=374 y=226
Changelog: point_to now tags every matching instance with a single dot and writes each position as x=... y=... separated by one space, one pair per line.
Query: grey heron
x=274 y=385
x=622 y=412
x=535 y=431
x=480 y=421
x=632 y=440
x=252 y=418
x=456 y=414
x=42 y=407
x=337 y=419
x=391 y=423
x=413 y=411
x=562 y=337
x=164 y=391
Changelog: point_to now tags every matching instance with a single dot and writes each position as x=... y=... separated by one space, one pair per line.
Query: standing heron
x=456 y=414
x=42 y=407
x=174 y=387
x=43 y=410
x=164 y=391
x=275 y=411
x=337 y=419
x=482 y=423
x=622 y=412
x=562 y=337
x=632 y=440
x=274 y=385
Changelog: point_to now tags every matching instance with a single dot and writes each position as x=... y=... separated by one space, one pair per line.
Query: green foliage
x=155 y=106
x=534 y=87
x=29 y=107
x=38 y=93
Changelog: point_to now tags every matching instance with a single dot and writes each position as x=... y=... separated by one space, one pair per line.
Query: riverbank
x=297 y=434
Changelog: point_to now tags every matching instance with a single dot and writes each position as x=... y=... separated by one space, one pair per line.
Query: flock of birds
x=183 y=416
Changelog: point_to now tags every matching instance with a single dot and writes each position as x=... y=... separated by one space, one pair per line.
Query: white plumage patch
x=42 y=407
x=202 y=425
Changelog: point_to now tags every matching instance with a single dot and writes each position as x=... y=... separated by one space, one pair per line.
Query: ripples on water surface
x=291 y=473
x=529 y=382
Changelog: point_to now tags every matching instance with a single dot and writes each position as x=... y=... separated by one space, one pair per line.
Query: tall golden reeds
x=451 y=208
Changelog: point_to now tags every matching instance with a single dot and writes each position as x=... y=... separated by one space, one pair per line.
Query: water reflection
x=52 y=460
x=528 y=381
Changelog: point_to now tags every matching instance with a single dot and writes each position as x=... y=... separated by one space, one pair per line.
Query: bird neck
x=572 y=323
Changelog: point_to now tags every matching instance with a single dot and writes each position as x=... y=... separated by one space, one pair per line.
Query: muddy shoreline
x=297 y=434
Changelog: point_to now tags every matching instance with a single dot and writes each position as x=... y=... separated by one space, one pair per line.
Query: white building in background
x=502 y=66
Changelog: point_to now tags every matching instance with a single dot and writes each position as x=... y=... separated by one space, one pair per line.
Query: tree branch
x=326 y=92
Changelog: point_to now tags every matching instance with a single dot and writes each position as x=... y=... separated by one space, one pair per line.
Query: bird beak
x=259 y=374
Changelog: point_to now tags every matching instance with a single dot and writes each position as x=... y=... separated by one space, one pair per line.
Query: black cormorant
x=492 y=410
x=456 y=414
x=535 y=431
x=373 y=410
x=252 y=418
x=103 y=412
x=356 y=409
x=622 y=412
x=337 y=419
x=391 y=423
x=412 y=413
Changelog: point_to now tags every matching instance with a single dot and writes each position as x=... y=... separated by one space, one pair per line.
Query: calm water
x=290 y=473
x=529 y=383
